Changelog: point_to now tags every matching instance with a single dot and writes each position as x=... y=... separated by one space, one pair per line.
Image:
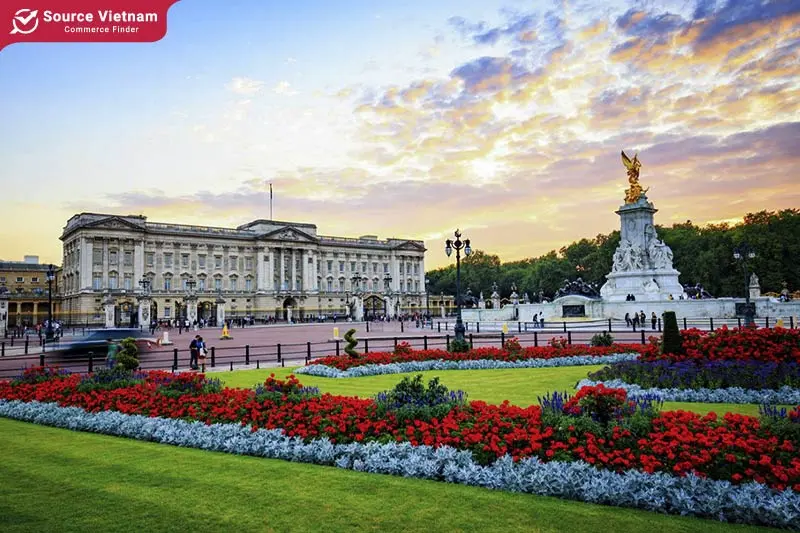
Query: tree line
x=702 y=254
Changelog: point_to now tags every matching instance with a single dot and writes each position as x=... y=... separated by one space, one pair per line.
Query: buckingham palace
x=264 y=270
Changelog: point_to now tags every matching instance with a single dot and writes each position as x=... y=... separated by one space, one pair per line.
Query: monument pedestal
x=642 y=262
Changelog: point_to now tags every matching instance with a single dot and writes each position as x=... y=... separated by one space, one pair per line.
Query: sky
x=408 y=119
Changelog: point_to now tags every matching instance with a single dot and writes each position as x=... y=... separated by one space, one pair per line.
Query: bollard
x=565 y=326
x=258 y=364
x=609 y=325
x=41 y=359
x=470 y=341
x=711 y=323
x=308 y=352
x=502 y=340
x=174 y=359
x=213 y=357
x=247 y=354
x=91 y=362
x=447 y=340
x=519 y=327
x=643 y=339
x=766 y=322
x=791 y=322
x=569 y=338
x=425 y=342
x=26 y=345
x=659 y=325
x=280 y=359
x=478 y=327
x=231 y=366
x=739 y=321
x=366 y=345
x=367 y=326
x=439 y=325
x=2 y=349
x=12 y=340
x=337 y=348
x=395 y=343
x=684 y=323
x=536 y=339
x=402 y=327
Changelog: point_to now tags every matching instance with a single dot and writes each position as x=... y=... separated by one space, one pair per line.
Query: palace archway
x=374 y=306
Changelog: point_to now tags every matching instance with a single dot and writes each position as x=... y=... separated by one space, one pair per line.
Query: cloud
x=244 y=86
x=284 y=88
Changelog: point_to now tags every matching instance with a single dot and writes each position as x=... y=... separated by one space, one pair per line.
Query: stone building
x=263 y=269
x=24 y=285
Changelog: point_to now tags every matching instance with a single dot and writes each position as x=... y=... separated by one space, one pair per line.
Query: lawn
x=520 y=386
x=59 y=480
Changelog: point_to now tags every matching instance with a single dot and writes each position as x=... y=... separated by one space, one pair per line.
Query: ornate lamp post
x=51 y=275
x=743 y=253
x=427 y=299
x=457 y=245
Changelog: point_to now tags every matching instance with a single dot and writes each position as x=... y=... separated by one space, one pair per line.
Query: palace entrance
x=374 y=307
x=290 y=309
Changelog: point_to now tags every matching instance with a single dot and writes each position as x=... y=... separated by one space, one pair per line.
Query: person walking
x=628 y=321
x=642 y=318
x=111 y=355
x=653 y=320
x=202 y=352
x=194 y=353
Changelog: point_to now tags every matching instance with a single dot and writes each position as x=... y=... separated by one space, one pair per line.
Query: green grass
x=520 y=386
x=58 y=480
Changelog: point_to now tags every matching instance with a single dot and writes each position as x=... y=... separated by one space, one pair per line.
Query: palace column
x=105 y=264
x=261 y=270
x=270 y=270
x=282 y=268
x=87 y=253
x=138 y=261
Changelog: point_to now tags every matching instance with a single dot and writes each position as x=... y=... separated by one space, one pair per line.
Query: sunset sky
x=408 y=119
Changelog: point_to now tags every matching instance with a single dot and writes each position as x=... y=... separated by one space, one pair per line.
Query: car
x=97 y=341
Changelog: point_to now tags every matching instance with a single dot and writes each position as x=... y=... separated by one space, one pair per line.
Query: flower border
x=476 y=364
x=749 y=503
x=784 y=395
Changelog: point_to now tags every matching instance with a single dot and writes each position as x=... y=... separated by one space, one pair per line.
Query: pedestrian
x=194 y=352
x=628 y=321
x=202 y=352
x=642 y=318
x=111 y=355
x=654 y=320
x=635 y=320
x=535 y=320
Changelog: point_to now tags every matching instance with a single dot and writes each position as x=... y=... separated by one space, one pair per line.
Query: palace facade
x=259 y=270
x=24 y=285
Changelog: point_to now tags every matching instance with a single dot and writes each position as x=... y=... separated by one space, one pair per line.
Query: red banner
x=85 y=21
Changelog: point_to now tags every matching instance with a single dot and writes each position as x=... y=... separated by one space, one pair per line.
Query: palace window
x=20 y=280
x=374 y=268
x=297 y=285
x=416 y=286
x=218 y=262
x=386 y=267
x=363 y=266
x=97 y=282
x=168 y=283
x=128 y=282
x=248 y=284
x=112 y=281
x=401 y=268
x=330 y=266
x=217 y=284
x=352 y=266
x=112 y=257
x=201 y=261
x=167 y=312
x=233 y=283
x=233 y=262
x=128 y=258
x=34 y=280
x=401 y=286
x=201 y=284
x=341 y=266
x=168 y=260
x=185 y=260
x=150 y=259
x=416 y=268
x=248 y=263
x=330 y=285
x=97 y=257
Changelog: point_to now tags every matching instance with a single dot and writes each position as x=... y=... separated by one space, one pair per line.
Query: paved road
x=262 y=344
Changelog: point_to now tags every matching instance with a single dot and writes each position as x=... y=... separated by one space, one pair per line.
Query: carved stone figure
x=660 y=254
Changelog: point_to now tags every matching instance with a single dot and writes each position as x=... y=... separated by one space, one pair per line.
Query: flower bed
x=731 y=448
x=781 y=396
x=477 y=364
x=751 y=503
x=512 y=353
x=703 y=374
x=771 y=345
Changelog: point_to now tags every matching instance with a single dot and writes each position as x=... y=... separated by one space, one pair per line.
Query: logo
x=25 y=21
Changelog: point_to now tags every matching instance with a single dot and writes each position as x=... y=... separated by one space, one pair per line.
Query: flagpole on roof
x=270 y=201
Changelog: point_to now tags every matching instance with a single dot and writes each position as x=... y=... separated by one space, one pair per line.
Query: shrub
x=403 y=348
x=350 y=348
x=602 y=339
x=458 y=346
x=176 y=385
x=558 y=342
x=278 y=390
x=513 y=347
x=109 y=379
x=128 y=356
x=412 y=400
x=673 y=342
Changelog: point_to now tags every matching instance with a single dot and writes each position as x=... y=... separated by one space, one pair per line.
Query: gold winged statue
x=635 y=191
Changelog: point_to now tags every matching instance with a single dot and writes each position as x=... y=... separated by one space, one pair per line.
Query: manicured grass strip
x=57 y=480
x=520 y=386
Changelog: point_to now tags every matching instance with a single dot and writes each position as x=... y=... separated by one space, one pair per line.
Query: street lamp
x=51 y=275
x=427 y=299
x=144 y=283
x=356 y=281
x=448 y=249
x=190 y=284
x=743 y=253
